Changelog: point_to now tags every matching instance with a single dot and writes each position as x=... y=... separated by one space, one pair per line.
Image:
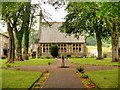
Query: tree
x=82 y=18
x=54 y=50
x=33 y=37
x=19 y=32
x=8 y=12
x=91 y=41
x=18 y=23
x=21 y=19
x=11 y=54
x=27 y=29
x=31 y=10
x=110 y=12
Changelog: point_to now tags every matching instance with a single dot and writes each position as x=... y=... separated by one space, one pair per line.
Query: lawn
x=104 y=78
x=0 y=79
x=18 y=79
x=93 y=61
x=31 y=62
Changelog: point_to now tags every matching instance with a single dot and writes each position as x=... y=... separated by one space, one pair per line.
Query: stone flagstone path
x=63 y=78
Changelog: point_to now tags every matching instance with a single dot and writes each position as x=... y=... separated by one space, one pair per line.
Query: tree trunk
x=11 y=54
x=114 y=51
x=19 y=49
x=19 y=36
x=99 y=46
x=27 y=31
x=26 y=44
x=115 y=40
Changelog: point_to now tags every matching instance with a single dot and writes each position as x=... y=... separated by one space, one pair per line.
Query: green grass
x=31 y=62
x=104 y=78
x=18 y=79
x=93 y=61
x=0 y=79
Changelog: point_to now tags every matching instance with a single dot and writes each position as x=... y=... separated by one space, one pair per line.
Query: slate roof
x=53 y=35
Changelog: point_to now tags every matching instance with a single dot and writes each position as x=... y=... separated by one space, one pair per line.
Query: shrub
x=47 y=57
x=54 y=50
x=84 y=76
x=3 y=57
x=68 y=56
x=80 y=69
x=87 y=82
x=8 y=65
x=42 y=57
x=49 y=63
x=105 y=55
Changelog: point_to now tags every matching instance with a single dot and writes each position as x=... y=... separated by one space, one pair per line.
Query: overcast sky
x=55 y=15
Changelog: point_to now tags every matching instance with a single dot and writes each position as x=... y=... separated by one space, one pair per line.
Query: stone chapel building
x=68 y=45
x=4 y=42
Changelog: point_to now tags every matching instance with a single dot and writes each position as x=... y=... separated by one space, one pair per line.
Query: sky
x=55 y=15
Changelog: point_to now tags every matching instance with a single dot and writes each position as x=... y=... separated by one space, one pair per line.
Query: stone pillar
x=78 y=48
x=48 y=48
x=45 y=48
x=69 y=48
x=42 y=48
x=66 y=48
x=63 y=49
x=75 y=48
x=60 y=48
x=82 y=48
x=38 y=53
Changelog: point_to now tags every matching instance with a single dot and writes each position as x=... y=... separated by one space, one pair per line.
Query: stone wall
x=73 y=50
x=4 y=42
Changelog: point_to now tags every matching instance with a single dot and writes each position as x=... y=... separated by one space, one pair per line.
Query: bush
x=8 y=65
x=47 y=57
x=68 y=56
x=84 y=76
x=105 y=55
x=49 y=63
x=42 y=57
x=80 y=69
x=3 y=57
x=87 y=82
x=54 y=50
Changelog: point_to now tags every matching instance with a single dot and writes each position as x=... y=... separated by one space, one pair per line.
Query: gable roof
x=53 y=35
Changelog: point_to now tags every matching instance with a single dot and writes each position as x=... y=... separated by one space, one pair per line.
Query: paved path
x=63 y=78
x=53 y=68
